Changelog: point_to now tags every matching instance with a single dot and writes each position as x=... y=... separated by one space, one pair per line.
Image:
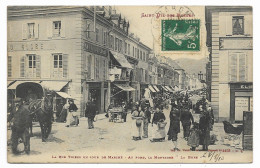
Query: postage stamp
x=180 y=35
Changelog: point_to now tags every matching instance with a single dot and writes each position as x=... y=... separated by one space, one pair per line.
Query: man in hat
x=90 y=112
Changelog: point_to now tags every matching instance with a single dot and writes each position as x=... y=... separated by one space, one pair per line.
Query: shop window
x=56 y=29
x=9 y=66
x=238 y=68
x=31 y=30
x=238 y=25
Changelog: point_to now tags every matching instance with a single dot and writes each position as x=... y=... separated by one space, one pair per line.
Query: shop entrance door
x=95 y=97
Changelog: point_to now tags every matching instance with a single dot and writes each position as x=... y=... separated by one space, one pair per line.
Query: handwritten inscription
x=213 y=156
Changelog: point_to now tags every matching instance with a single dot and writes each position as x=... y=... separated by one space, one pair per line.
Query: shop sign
x=95 y=49
x=235 y=43
x=242 y=86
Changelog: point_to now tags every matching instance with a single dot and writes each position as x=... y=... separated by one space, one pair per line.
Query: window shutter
x=63 y=27
x=65 y=65
x=9 y=67
x=8 y=32
x=49 y=29
x=36 y=30
x=229 y=26
x=248 y=25
x=24 y=31
x=38 y=66
x=242 y=67
x=22 y=66
x=233 y=67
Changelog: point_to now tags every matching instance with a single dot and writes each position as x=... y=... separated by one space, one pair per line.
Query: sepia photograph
x=129 y=84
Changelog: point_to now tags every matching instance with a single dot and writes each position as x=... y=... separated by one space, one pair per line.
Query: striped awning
x=168 y=88
x=16 y=83
x=164 y=88
x=125 y=87
x=121 y=60
x=64 y=95
x=156 y=88
x=151 y=89
x=54 y=85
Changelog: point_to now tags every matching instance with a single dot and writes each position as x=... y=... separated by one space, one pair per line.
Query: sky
x=148 y=28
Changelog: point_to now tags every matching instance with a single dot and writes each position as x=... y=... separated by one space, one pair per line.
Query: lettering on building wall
x=95 y=49
x=31 y=46
x=235 y=43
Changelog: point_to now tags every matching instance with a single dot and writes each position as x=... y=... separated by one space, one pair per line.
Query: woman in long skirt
x=174 y=128
x=158 y=125
x=137 y=117
x=194 y=137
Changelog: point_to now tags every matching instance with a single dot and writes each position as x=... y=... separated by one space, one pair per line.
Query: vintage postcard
x=130 y=84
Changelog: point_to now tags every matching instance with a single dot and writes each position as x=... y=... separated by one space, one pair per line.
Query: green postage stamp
x=180 y=35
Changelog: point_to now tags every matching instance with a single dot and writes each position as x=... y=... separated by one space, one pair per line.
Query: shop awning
x=156 y=88
x=172 y=88
x=165 y=89
x=54 y=85
x=151 y=89
x=125 y=87
x=64 y=95
x=168 y=88
x=15 y=84
x=121 y=59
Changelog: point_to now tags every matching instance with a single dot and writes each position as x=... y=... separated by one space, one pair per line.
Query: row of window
x=30 y=65
x=116 y=43
x=31 y=30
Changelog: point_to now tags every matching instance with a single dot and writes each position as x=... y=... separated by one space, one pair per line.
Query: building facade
x=230 y=39
x=87 y=51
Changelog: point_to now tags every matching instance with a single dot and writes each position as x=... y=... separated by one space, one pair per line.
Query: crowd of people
x=181 y=113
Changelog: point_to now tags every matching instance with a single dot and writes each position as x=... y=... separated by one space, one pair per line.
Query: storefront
x=97 y=92
x=143 y=88
x=120 y=92
x=241 y=99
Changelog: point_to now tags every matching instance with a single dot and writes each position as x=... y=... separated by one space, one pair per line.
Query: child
x=194 y=137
